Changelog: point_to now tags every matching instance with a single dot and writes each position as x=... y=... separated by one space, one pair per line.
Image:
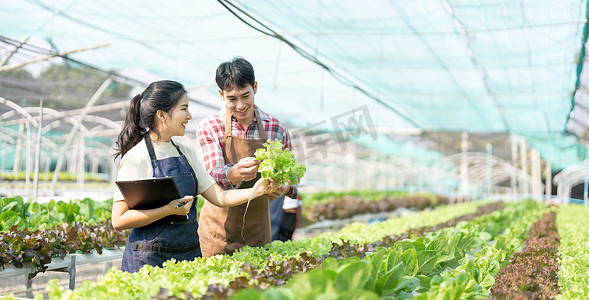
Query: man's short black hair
x=236 y=73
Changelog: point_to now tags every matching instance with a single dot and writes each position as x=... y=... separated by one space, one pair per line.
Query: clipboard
x=150 y=193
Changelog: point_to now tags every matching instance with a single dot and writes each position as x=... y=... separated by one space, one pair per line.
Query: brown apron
x=220 y=227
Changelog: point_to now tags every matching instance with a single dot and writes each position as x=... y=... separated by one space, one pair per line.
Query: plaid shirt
x=210 y=136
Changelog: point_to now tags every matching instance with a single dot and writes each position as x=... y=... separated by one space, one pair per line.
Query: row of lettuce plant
x=448 y=264
x=194 y=277
x=39 y=232
x=573 y=275
x=355 y=233
x=25 y=222
x=39 y=247
x=532 y=273
x=63 y=176
x=34 y=215
x=349 y=205
x=330 y=196
x=475 y=275
x=276 y=273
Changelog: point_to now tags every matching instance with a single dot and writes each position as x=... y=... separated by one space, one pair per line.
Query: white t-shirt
x=136 y=164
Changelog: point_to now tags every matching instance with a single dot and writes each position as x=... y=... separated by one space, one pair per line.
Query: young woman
x=147 y=150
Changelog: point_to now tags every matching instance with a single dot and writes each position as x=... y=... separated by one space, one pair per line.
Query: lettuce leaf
x=279 y=163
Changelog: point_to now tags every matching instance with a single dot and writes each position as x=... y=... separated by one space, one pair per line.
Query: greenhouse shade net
x=491 y=66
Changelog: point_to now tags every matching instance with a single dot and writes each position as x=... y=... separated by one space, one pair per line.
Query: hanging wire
x=341 y=78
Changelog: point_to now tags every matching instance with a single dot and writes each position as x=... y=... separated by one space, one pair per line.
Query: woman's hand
x=263 y=186
x=272 y=187
x=180 y=206
x=281 y=190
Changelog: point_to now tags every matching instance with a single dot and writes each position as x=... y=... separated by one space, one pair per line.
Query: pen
x=180 y=204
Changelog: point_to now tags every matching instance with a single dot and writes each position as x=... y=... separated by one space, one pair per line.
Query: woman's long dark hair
x=159 y=95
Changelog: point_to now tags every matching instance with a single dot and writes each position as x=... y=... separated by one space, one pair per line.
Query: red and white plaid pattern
x=210 y=137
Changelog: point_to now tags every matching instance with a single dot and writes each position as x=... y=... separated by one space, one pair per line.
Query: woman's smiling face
x=174 y=122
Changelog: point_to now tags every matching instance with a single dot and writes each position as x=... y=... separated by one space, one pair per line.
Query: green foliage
x=348 y=206
x=368 y=233
x=40 y=246
x=35 y=233
x=63 y=176
x=573 y=275
x=324 y=197
x=196 y=276
x=474 y=275
x=17 y=74
x=453 y=263
x=70 y=85
x=279 y=163
x=33 y=215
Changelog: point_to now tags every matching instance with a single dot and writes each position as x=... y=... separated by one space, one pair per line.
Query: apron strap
x=260 y=126
x=150 y=148
x=177 y=148
x=228 y=124
x=189 y=167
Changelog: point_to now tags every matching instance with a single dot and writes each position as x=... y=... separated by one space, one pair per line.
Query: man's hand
x=245 y=169
x=281 y=190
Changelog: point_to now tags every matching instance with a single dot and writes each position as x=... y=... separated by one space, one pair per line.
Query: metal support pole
x=373 y=184
x=38 y=154
x=464 y=167
x=489 y=158
x=72 y=161
x=536 y=174
x=4 y=154
x=17 y=149
x=72 y=271
x=514 y=189
x=586 y=186
x=29 y=286
x=28 y=161
x=559 y=194
x=81 y=165
x=524 y=163
x=548 y=179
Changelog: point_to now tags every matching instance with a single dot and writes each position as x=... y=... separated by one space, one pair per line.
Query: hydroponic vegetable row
x=33 y=215
x=462 y=251
x=36 y=233
x=532 y=273
x=340 y=206
x=573 y=252
x=440 y=263
x=276 y=273
x=194 y=277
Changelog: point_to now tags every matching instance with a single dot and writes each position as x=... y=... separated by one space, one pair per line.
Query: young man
x=228 y=140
